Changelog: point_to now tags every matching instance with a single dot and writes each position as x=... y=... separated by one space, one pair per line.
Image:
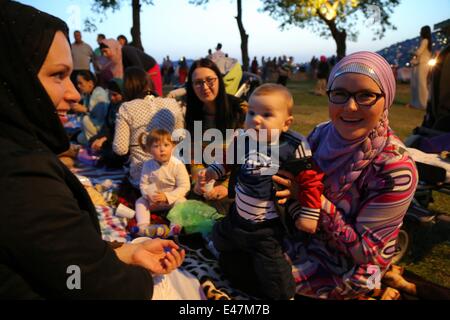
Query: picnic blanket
x=200 y=260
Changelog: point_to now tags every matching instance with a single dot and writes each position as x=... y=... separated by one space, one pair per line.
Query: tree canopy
x=101 y=6
x=333 y=18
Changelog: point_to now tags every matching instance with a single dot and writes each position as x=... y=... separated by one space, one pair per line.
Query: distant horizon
x=190 y=30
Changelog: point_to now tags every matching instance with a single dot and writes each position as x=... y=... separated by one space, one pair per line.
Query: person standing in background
x=182 y=71
x=100 y=38
x=122 y=40
x=82 y=56
x=209 y=56
x=420 y=69
x=103 y=74
x=323 y=71
x=218 y=54
x=285 y=71
x=254 y=66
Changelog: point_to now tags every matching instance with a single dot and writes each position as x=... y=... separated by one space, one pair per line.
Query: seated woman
x=143 y=111
x=369 y=182
x=207 y=101
x=102 y=141
x=95 y=106
x=50 y=232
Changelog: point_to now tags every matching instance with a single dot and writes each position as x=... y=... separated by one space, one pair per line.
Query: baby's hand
x=199 y=187
x=209 y=175
x=159 y=197
x=306 y=225
x=202 y=176
x=205 y=175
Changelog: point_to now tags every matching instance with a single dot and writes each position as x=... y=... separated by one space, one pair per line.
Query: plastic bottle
x=152 y=231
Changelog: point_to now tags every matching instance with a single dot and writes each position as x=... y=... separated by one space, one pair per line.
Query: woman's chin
x=352 y=132
x=63 y=118
x=207 y=99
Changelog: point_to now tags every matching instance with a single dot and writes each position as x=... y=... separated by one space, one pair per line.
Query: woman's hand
x=285 y=179
x=77 y=107
x=98 y=143
x=217 y=193
x=156 y=255
x=159 y=256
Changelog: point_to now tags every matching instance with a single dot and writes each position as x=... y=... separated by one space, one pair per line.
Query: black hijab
x=27 y=114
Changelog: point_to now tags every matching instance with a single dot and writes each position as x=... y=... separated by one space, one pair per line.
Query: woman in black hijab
x=50 y=242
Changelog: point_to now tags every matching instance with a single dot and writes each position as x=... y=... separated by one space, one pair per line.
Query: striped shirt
x=254 y=187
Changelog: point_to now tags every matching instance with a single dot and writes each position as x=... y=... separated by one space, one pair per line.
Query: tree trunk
x=339 y=36
x=136 y=28
x=244 y=37
x=341 y=46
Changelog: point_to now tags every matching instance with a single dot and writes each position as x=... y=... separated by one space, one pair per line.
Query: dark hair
x=115 y=85
x=219 y=46
x=146 y=139
x=425 y=33
x=88 y=76
x=225 y=117
x=136 y=83
x=122 y=37
x=29 y=104
x=101 y=35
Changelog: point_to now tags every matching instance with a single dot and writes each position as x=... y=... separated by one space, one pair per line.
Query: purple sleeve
x=368 y=240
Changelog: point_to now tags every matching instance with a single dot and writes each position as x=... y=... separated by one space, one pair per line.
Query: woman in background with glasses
x=369 y=183
x=207 y=101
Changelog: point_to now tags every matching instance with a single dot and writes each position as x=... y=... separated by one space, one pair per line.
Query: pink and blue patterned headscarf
x=343 y=160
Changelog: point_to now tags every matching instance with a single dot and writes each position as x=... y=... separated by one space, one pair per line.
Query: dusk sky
x=177 y=28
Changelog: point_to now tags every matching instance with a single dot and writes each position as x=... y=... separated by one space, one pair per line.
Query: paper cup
x=140 y=239
x=124 y=212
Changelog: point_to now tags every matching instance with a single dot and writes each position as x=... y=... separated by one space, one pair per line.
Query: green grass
x=430 y=253
x=309 y=110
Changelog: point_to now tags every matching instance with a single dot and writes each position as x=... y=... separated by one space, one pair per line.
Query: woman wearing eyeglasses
x=369 y=183
x=207 y=101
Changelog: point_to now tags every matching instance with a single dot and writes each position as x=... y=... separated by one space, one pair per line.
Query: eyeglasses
x=209 y=82
x=362 y=98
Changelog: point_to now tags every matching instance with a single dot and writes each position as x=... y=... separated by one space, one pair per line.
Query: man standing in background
x=82 y=55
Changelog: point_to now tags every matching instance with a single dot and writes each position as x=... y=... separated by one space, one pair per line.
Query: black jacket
x=48 y=222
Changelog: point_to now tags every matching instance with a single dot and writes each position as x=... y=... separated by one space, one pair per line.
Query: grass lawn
x=430 y=254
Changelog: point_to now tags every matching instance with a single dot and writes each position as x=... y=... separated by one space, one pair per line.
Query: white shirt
x=170 y=178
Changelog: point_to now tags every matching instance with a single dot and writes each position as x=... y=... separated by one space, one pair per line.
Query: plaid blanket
x=199 y=260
